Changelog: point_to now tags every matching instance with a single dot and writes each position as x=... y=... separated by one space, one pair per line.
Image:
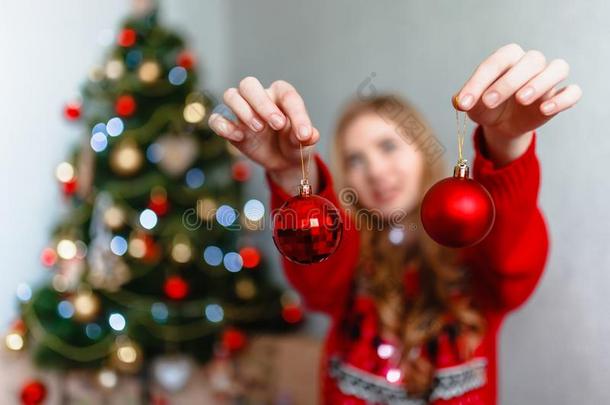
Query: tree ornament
x=127 y=37
x=72 y=111
x=126 y=158
x=149 y=71
x=233 y=339
x=186 y=60
x=125 y=105
x=458 y=211
x=127 y=355
x=307 y=228
x=33 y=392
x=175 y=288
x=86 y=305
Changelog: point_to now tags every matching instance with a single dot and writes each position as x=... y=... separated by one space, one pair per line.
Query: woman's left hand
x=513 y=92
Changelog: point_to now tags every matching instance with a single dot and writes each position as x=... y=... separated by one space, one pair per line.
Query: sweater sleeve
x=508 y=263
x=323 y=286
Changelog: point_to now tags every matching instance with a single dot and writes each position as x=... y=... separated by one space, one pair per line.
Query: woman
x=412 y=322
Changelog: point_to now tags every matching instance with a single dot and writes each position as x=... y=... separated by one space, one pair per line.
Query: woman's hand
x=271 y=123
x=513 y=92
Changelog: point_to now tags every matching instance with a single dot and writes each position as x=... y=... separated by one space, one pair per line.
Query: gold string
x=304 y=169
x=461 y=134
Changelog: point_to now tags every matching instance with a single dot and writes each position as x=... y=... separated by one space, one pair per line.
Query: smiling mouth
x=385 y=196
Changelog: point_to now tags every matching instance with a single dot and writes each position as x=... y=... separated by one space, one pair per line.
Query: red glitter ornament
x=125 y=105
x=175 y=288
x=250 y=257
x=186 y=60
x=72 y=111
x=458 y=211
x=33 y=392
x=307 y=228
x=127 y=37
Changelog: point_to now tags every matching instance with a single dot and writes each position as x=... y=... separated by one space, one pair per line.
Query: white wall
x=47 y=50
x=555 y=349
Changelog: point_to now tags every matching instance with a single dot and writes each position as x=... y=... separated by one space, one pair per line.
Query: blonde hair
x=443 y=301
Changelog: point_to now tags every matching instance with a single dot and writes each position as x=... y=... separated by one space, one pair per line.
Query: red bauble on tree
x=175 y=288
x=33 y=393
x=127 y=37
x=458 y=211
x=125 y=105
x=72 y=111
x=307 y=228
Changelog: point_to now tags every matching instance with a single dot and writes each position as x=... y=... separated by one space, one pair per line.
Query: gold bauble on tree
x=126 y=158
x=86 y=305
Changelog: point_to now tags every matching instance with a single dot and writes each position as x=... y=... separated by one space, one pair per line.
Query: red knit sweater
x=357 y=366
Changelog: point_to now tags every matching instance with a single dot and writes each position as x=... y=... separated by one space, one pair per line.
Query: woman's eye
x=388 y=146
x=354 y=160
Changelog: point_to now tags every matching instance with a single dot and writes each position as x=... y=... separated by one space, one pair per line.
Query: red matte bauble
x=307 y=229
x=175 y=288
x=458 y=211
x=33 y=393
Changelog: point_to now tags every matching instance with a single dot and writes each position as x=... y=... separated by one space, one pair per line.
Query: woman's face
x=383 y=169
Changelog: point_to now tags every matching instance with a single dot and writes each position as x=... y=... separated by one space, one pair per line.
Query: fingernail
x=277 y=122
x=304 y=132
x=221 y=126
x=491 y=98
x=548 y=107
x=526 y=93
x=256 y=124
x=466 y=101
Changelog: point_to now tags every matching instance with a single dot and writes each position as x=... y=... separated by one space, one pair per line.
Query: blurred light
x=114 y=69
x=195 y=178
x=385 y=351
x=137 y=248
x=214 y=313
x=24 y=292
x=64 y=172
x=194 y=112
x=99 y=127
x=154 y=153
x=148 y=219
x=59 y=282
x=14 y=341
x=99 y=142
x=127 y=354
x=149 y=71
x=393 y=375
x=177 y=75
x=107 y=378
x=81 y=249
x=115 y=126
x=65 y=309
x=93 y=331
x=396 y=235
x=212 y=255
x=254 y=210
x=233 y=262
x=225 y=215
x=66 y=249
x=159 y=311
x=118 y=245
x=117 y=321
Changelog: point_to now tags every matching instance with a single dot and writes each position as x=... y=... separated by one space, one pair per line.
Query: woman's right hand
x=271 y=123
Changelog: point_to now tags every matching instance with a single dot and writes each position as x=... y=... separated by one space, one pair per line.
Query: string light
x=233 y=262
x=14 y=341
x=66 y=249
x=254 y=210
x=107 y=378
x=148 y=219
x=118 y=245
x=214 y=313
x=64 y=172
x=194 y=112
x=117 y=321
x=65 y=309
x=393 y=375
x=177 y=75
x=99 y=142
x=195 y=178
x=225 y=215
x=24 y=292
x=115 y=126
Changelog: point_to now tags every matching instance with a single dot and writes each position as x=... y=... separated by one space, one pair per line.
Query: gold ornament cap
x=304 y=188
x=461 y=169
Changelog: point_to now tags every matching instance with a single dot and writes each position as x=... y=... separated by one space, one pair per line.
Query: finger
x=225 y=128
x=253 y=92
x=242 y=109
x=553 y=74
x=563 y=100
x=487 y=73
x=531 y=64
x=293 y=105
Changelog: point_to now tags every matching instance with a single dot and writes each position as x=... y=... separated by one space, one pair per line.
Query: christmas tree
x=155 y=254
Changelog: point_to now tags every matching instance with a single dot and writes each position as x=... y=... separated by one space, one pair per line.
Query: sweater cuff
x=279 y=195
x=512 y=182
